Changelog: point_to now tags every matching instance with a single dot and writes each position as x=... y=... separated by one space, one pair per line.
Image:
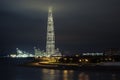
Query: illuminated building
x=39 y=53
x=92 y=54
x=50 y=43
x=50 y=40
x=57 y=53
x=21 y=54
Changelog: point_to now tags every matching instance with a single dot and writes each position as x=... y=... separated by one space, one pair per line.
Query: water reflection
x=68 y=74
x=83 y=76
x=25 y=73
x=51 y=74
x=65 y=75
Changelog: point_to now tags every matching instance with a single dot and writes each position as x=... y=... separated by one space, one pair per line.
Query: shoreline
x=71 y=67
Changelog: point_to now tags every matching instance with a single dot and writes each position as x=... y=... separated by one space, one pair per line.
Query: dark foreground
x=8 y=72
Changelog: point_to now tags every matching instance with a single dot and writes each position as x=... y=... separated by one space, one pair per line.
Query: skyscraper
x=50 y=43
x=50 y=40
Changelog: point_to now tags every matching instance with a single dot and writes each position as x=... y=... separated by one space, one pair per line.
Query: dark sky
x=80 y=25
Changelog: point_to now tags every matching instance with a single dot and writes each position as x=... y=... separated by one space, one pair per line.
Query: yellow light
x=86 y=60
x=65 y=75
x=65 y=72
x=80 y=60
x=44 y=62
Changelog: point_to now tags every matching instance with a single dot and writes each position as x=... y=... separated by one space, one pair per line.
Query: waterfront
x=12 y=72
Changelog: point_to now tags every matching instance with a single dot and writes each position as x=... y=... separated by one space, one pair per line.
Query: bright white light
x=21 y=54
x=13 y=55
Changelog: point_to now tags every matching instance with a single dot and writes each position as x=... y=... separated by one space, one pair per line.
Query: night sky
x=80 y=25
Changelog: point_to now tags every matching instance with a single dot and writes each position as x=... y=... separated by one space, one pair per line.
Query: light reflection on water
x=68 y=74
x=57 y=74
x=71 y=75
x=76 y=75
x=25 y=73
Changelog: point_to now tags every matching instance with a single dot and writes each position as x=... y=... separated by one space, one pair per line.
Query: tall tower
x=50 y=43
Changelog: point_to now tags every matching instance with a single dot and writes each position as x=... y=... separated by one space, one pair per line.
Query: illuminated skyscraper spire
x=50 y=43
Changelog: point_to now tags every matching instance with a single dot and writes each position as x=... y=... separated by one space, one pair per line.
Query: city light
x=21 y=54
x=86 y=60
x=80 y=60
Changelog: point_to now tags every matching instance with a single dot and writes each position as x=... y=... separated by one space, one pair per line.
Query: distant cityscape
x=53 y=54
x=42 y=53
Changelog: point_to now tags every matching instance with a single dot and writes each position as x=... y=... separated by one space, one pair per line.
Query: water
x=8 y=72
